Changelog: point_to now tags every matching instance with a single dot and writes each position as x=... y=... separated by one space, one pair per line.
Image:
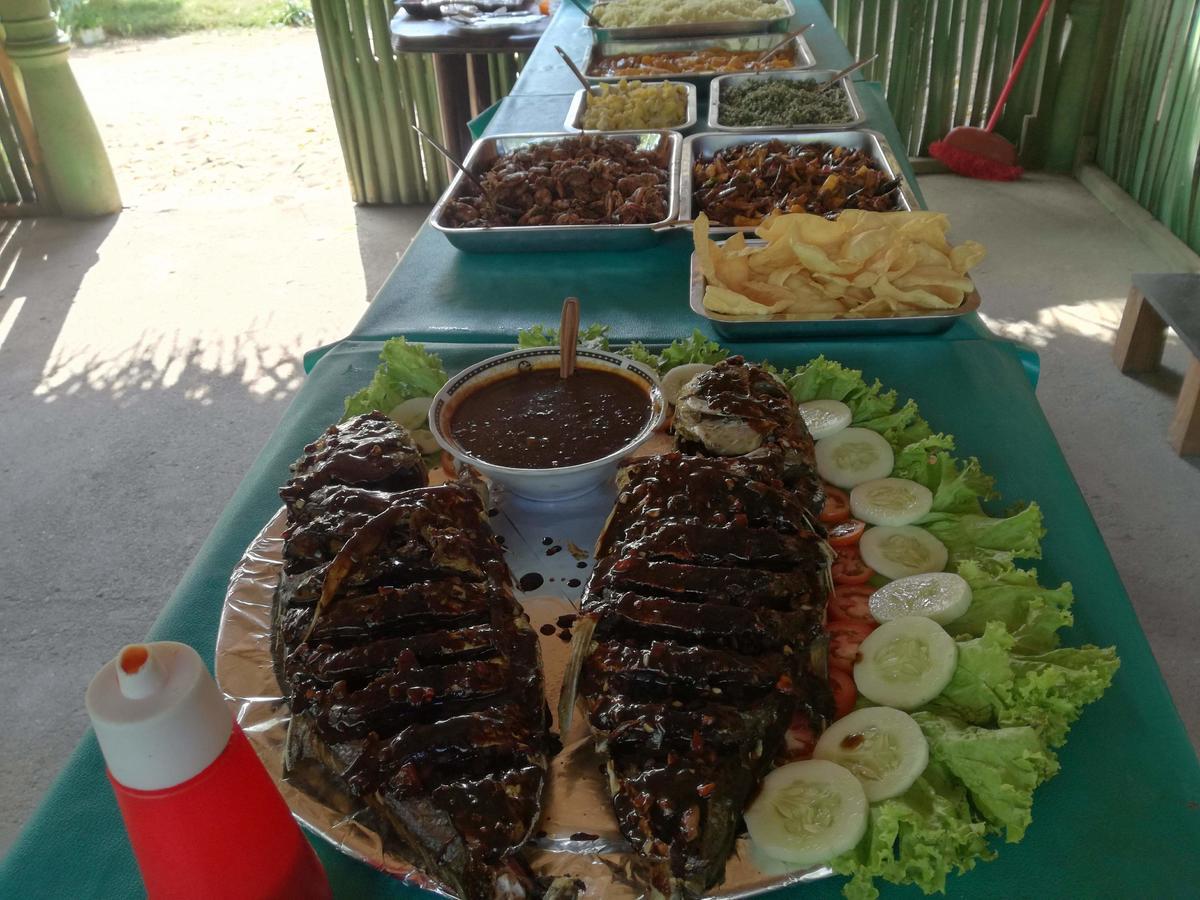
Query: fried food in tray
x=701 y=639
x=682 y=62
x=742 y=184
x=584 y=180
x=414 y=678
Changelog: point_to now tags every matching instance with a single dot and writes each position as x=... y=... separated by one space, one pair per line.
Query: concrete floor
x=145 y=359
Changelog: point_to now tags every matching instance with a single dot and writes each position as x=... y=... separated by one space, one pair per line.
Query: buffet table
x=1120 y=820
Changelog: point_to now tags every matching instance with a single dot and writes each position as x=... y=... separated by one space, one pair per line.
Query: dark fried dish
x=742 y=184
x=699 y=644
x=414 y=678
x=585 y=180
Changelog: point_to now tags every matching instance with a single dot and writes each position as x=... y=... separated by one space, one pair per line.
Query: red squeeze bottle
x=203 y=815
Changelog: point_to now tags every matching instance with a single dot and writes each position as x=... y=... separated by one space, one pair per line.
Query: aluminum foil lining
x=578 y=833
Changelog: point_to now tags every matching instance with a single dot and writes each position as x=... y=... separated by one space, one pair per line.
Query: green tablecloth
x=1119 y=821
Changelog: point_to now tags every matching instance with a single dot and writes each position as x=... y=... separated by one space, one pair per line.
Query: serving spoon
x=775 y=48
x=587 y=86
x=483 y=191
x=849 y=70
x=568 y=335
x=591 y=20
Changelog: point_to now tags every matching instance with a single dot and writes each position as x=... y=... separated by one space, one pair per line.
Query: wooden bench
x=1155 y=303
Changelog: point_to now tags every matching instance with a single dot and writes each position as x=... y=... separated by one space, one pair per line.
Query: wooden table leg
x=1184 y=432
x=454 y=103
x=1141 y=337
x=480 y=79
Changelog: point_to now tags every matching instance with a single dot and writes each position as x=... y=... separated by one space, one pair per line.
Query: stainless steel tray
x=702 y=145
x=530 y=238
x=574 y=121
x=783 y=326
x=857 y=117
x=692 y=29
x=802 y=55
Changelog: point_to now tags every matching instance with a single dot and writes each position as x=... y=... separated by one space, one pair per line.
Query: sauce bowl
x=546 y=484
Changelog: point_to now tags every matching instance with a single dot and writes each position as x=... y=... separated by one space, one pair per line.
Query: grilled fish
x=414 y=678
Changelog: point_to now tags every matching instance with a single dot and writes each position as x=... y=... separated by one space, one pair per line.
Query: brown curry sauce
x=533 y=419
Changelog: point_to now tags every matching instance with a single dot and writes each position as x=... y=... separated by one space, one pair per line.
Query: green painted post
x=77 y=166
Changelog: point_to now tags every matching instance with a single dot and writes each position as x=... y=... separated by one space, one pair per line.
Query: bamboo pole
x=397 y=160
x=374 y=100
x=351 y=78
x=338 y=97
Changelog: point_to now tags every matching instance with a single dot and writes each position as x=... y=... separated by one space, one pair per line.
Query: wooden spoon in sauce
x=568 y=334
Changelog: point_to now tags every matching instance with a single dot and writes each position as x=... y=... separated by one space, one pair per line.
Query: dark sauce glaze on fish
x=413 y=676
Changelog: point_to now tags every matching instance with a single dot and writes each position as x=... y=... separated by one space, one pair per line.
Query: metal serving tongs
x=849 y=70
x=479 y=186
x=775 y=48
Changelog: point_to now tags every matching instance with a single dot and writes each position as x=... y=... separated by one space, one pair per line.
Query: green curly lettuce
x=1000 y=767
x=994 y=686
x=593 y=337
x=1031 y=613
x=405 y=371
x=921 y=837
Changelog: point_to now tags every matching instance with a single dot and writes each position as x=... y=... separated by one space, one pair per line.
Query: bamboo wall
x=377 y=97
x=942 y=62
x=1149 y=141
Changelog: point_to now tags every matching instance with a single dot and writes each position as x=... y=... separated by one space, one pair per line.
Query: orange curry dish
x=674 y=62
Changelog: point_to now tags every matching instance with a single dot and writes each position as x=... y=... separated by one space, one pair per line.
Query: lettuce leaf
x=918 y=838
x=593 y=337
x=693 y=349
x=1000 y=767
x=956 y=488
x=824 y=379
x=993 y=686
x=1032 y=614
x=980 y=537
x=405 y=371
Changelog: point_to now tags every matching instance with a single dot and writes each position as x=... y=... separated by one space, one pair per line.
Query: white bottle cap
x=159 y=716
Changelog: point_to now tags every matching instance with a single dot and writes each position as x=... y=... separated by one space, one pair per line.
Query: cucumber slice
x=905 y=663
x=852 y=456
x=425 y=440
x=412 y=413
x=883 y=748
x=808 y=812
x=674 y=381
x=890 y=501
x=825 y=418
x=899 y=551
x=941 y=596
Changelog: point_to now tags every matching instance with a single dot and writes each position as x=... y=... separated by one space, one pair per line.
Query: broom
x=979 y=152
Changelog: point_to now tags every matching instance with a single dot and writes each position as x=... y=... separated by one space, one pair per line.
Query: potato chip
x=860 y=264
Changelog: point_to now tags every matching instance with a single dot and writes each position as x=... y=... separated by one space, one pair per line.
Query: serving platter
x=793 y=326
x=856 y=119
x=802 y=55
x=552 y=541
x=546 y=238
x=578 y=108
x=699 y=146
x=692 y=29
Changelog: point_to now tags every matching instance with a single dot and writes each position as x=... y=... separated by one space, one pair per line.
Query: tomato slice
x=800 y=739
x=849 y=567
x=837 y=506
x=844 y=637
x=846 y=533
x=852 y=601
x=845 y=694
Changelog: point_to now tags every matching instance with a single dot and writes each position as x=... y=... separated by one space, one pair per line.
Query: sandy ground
x=145 y=359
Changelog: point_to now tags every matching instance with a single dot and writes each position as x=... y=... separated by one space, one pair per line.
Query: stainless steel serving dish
x=802 y=56
x=529 y=238
x=856 y=119
x=704 y=145
x=783 y=326
x=692 y=29
x=579 y=103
